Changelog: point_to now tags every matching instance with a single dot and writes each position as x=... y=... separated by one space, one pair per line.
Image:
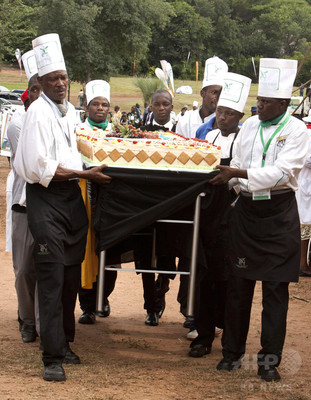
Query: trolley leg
x=101 y=281
x=195 y=237
x=153 y=255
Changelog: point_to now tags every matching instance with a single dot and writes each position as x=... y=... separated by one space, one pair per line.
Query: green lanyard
x=266 y=146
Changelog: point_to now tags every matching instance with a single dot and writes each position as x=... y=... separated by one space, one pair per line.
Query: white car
x=6 y=105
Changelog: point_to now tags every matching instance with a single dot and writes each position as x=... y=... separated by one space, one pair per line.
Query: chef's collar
x=275 y=121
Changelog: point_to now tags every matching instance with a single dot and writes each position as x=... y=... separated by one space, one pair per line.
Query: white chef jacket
x=284 y=160
x=13 y=133
x=224 y=142
x=47 y=141
x=188 y=124
x=303 y=194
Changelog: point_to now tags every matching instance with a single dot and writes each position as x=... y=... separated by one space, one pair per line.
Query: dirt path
x=124 y=359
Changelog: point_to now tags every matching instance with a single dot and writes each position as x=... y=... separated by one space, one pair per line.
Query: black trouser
x=154 y=290
x=58 y=222
x=210 y=309
x=182 y=295
x=87 y=297
x=151 y=301
x=273 y=319
x=57 y=292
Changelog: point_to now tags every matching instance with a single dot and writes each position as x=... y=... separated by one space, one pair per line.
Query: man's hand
x=95 y=174
x=227 y=173
x=224 y=175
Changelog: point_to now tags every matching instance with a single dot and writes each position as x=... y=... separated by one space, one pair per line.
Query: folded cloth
x=89 y=267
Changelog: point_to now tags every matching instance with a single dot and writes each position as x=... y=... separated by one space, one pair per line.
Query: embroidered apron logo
x=43 y=249
x=241 y=263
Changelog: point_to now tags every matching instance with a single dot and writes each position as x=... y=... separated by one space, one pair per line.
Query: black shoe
x=160 y=313
x=226 y=364
x=71 y=357
x=305 y=273
x=87 y=317
x=188 y=322
x=268 y=374
x=152 y=318
x=28 y=333
x=199 y=350
x=54 y=372
x=106 y=310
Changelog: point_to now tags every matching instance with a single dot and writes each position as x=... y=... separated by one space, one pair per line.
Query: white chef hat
x=215 y=68
x=48 y=53
x=276 y=77
x=97 y=88
x=195 y=103
x=235 y=91
x=30 y=65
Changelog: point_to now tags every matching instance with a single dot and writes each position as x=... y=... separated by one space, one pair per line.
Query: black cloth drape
x=136 y=198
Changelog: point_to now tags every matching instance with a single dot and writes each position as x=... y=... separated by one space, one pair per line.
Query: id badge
x=262 y=195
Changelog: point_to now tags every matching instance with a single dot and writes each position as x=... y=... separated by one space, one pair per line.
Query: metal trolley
x=192 y=271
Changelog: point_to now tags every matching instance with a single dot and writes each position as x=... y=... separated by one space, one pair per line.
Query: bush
x=148 y=86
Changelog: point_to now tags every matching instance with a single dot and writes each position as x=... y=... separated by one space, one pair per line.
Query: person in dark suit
x=162 y=105
x=154 y=291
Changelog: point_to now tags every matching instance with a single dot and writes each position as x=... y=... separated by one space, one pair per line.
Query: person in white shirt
x=215 y=68
x=303 y=202
x=264 y=225
x=210 y=310
x=48 y=160
x=98 y=104
x=22 y=240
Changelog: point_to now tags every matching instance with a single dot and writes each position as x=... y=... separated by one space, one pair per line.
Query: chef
x=98 y=103
x=264 y=227
x=215 y=68
x=213 y=280
x=229 y=112
x=22 y=241
x=48 y=160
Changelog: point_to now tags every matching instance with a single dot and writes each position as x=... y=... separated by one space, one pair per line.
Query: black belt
x=273 y=192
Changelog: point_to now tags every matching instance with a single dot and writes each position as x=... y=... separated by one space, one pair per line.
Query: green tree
x=278 y=28
x=99 y=40
x=17 y=28
x=78 y=35
x=186 y=32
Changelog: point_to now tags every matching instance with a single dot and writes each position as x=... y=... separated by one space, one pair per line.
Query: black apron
x=58 y=222
x=265 y=238
x=217 y=255
x=226 y=161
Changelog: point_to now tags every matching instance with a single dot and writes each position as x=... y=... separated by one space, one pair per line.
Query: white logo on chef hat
x=270 y=78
